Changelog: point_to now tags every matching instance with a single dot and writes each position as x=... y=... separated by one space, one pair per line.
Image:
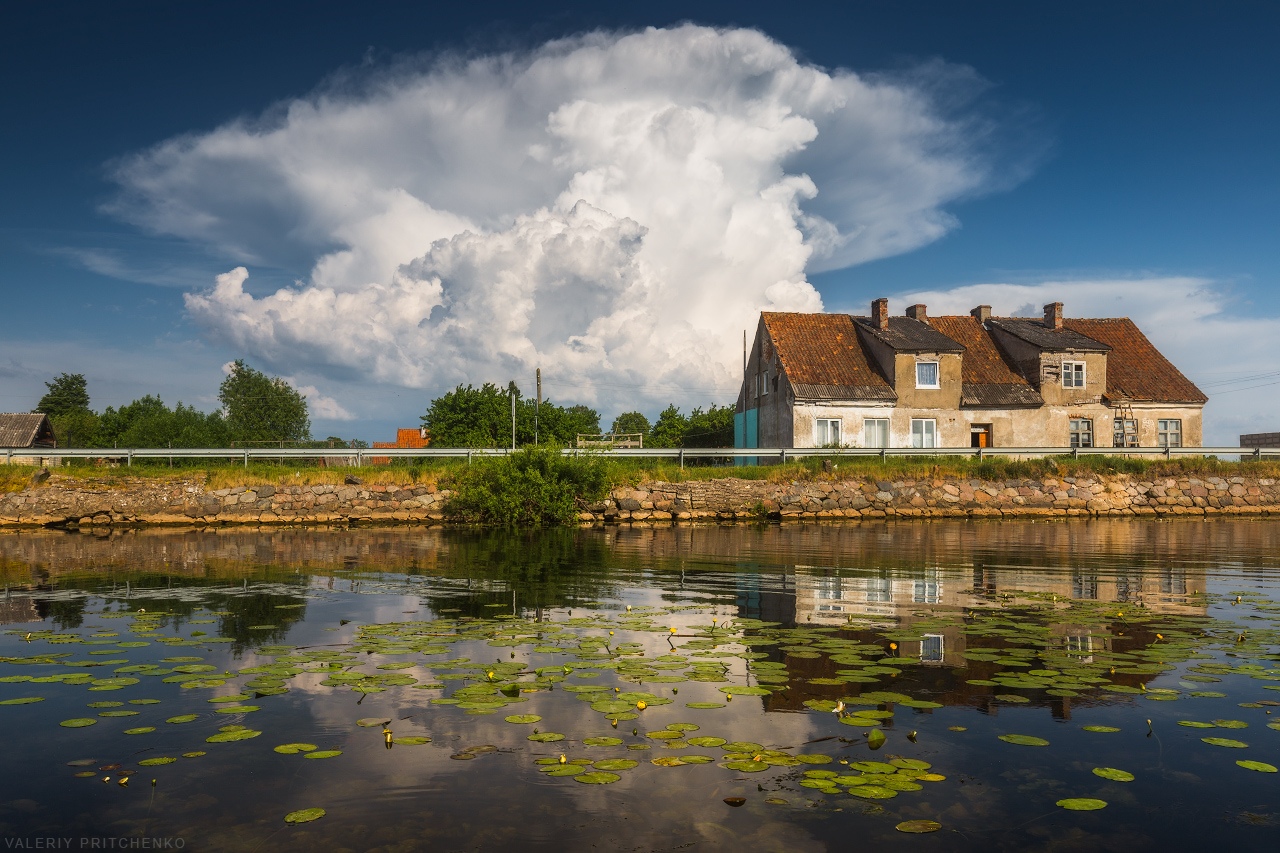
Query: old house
x=26 y=432
x=817 y=380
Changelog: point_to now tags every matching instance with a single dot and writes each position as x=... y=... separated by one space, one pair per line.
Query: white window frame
x=937 y=374
x=940 y=641
x=1164 y=433
x=764 y=383
x=879 y=423
x=927 y=435
x=1073 y=377
x=818 y=429
x=1073 y=434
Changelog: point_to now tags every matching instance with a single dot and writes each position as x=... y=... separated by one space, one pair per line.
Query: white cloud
x=1187 y=319
x=613 y=208
x=321 y=406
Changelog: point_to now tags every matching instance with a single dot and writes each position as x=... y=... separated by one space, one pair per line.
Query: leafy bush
x=533 y=487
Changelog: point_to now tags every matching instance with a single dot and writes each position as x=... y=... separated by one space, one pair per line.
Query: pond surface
x=1091 y=685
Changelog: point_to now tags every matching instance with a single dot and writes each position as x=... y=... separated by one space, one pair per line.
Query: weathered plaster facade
x=1013 y=383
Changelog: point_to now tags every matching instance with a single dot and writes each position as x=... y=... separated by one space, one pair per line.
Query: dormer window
x=927 y=374
x=1073 y=374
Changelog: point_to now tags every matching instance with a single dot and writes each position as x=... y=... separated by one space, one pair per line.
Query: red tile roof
x=987 y=378
x=823 y=351
x=1136 y=370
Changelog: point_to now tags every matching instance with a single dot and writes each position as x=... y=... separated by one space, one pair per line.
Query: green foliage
x=710 y=428
x=77 y=428
x=481 y=417
x=258 y=407
x=533 y=487
x=629 y=423
x=148 y=422
x=68 y=393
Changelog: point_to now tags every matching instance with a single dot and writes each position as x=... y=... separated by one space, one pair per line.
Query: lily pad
x=597 y=777
x=22 y=700
x=918 y=826
x=183 y=718
x=1082 y=804
x=1224 y=741
x=294 y=748
x=324 y=753
x=603 y=740
x=1024 y=740
x=373 y=722
x=141 y=730
x=304 y=815
x=1101 y=729
x=1260 y=766
x=615 y=764
x=231 y=736
x=156 y=762
x=523 y=718
x=546 y=737
x=1113 y=774
x=77 y=723
x=746 y=766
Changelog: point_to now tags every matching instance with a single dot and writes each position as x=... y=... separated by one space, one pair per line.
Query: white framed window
x=875 y=432
x=1125 y=432
x=1073 y=374
x=926 y=374
x=926 y=592
x=1081 y=432
x=1169 y=433
x=924 y=432
x=879 y=591
x=764 y=383
x=826 y=432
x=931 y=648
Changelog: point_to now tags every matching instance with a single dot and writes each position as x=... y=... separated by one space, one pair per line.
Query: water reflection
x=957 y=632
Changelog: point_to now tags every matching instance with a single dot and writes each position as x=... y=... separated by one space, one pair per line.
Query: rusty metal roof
x=1036 y=333
x=1136 y=370
x=906 y=334
x=824 y=359
x=26 y=430
x=988 y=379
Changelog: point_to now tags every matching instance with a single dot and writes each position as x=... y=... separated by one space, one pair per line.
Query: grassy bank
x=623 y=471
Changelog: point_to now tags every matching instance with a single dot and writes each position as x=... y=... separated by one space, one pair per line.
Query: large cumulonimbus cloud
x=616 y=209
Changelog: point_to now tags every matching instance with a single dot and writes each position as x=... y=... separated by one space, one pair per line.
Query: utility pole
x=513 y=415
x=538 y=407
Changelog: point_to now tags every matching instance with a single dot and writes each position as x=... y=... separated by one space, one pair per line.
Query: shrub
x=533 y=487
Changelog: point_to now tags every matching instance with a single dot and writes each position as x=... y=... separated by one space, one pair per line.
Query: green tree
x=712 y=428
x=258 y=407
x=630 y=423
x=670 y=429
x=481 y=417
x=68 y=393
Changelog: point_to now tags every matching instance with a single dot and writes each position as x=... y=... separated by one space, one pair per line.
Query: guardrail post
x=1075 y=453
x=1257 y=454
x=1167 y=454
x=979 y=454
x=130 y=457
x=784 y=456
x=468 y=457
x=246 y=457
x=682 y=459
x=884 y=455
x=359 y=458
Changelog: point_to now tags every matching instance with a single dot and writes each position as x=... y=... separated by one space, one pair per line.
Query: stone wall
x=72 y=502
x=941 y=497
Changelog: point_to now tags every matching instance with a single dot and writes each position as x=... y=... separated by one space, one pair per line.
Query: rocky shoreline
x=64 y=502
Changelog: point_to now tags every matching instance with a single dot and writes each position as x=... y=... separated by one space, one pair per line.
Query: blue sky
x=1118 y=156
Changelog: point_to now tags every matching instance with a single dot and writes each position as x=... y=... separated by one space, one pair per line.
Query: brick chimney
x=1053 y=315
x=917 y=312
x=982 y=313
x=880 y=313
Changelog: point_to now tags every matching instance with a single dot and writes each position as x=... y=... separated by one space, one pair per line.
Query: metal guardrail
x=767 y=454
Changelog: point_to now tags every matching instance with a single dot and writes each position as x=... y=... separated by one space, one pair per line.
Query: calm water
x=941 y=637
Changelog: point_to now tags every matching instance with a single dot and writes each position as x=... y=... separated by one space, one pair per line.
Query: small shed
x=26 y=432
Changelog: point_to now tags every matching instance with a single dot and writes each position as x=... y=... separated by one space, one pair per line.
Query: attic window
x=1073 y=374
x=926 y=374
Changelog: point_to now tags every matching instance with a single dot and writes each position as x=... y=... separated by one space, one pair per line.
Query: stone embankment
x=940 y=497
x=68 y=502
